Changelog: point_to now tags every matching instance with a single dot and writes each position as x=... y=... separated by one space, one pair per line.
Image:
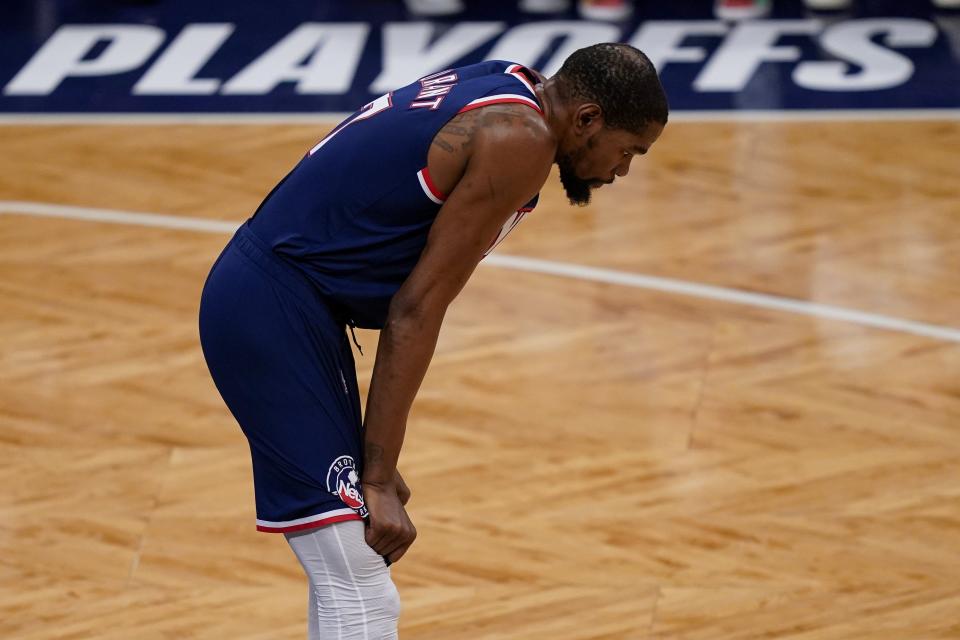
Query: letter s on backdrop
x=881 y=68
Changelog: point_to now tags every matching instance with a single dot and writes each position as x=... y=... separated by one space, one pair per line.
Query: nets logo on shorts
x=344 y=482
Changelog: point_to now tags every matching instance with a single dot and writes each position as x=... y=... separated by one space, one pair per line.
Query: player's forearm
x=406 y=347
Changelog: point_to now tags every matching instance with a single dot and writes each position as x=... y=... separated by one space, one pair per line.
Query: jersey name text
x=435 y=86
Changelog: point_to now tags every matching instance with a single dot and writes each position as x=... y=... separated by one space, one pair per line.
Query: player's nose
x=624 y=167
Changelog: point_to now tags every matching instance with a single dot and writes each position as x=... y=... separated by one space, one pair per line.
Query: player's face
x=605 y=154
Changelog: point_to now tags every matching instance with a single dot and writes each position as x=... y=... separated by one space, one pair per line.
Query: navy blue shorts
x=284 y=366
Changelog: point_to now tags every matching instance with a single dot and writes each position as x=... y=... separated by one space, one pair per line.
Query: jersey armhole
x=501 y=98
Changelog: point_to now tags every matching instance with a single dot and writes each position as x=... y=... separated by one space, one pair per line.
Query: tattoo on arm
x=458 y=133
x=372 y=453
x=443 y=144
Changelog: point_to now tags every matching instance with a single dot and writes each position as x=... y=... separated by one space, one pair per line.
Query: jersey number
x=368 y=110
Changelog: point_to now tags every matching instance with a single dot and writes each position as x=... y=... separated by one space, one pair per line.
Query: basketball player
x=379 y=226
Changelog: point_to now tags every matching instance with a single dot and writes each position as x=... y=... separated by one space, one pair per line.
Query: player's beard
x=577 y=188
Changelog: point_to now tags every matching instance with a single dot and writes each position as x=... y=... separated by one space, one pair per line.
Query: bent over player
x=379 y=226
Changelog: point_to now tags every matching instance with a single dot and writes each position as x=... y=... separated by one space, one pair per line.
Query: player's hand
x=403 y=491
x=389 y=529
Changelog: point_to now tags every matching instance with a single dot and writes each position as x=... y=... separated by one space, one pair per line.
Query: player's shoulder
x=514 y=121
x=513 y=135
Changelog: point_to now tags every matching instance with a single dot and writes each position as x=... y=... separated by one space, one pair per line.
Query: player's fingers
x=402 y=542
x=384 y=536
x=389 y=551
x=399 y=552
x=373 y=535
x=380 y=535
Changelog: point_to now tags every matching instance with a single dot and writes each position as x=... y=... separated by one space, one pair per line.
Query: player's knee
x=382 y=605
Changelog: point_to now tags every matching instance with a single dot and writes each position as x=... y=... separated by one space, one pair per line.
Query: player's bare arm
x=491 y=161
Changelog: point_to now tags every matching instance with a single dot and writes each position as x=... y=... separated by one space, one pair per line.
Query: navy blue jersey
x=353 y=216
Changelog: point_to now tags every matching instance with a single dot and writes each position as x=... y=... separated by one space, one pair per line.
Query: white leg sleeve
x=313 y=619
x=352 y=596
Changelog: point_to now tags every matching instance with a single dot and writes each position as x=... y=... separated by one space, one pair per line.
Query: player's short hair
x=620 y=79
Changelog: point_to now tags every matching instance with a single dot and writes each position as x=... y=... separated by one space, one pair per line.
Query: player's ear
x=588 y=118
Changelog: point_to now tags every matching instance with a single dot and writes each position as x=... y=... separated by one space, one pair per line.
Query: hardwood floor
x=588 y=460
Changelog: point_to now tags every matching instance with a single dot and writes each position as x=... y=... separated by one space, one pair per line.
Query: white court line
x=773 y=115
x=532 y=265
x=723 y=294
x=117 y=217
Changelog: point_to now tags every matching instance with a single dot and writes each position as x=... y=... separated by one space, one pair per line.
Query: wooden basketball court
x=589 y=459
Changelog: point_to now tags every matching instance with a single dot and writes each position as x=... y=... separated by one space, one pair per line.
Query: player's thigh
x=270 y=351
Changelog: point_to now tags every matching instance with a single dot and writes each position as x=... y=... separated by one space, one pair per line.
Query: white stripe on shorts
x=309 y=522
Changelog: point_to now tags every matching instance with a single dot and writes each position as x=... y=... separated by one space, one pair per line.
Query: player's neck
x=554 y=108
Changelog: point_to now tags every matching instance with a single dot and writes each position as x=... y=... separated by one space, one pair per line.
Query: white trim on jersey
x=336 y=515
x=508 y=226
x=502 y=97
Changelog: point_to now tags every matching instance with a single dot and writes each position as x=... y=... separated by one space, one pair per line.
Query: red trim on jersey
x=433 y=188
x=310 y=525
x=515 y=71
x=471 y=107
